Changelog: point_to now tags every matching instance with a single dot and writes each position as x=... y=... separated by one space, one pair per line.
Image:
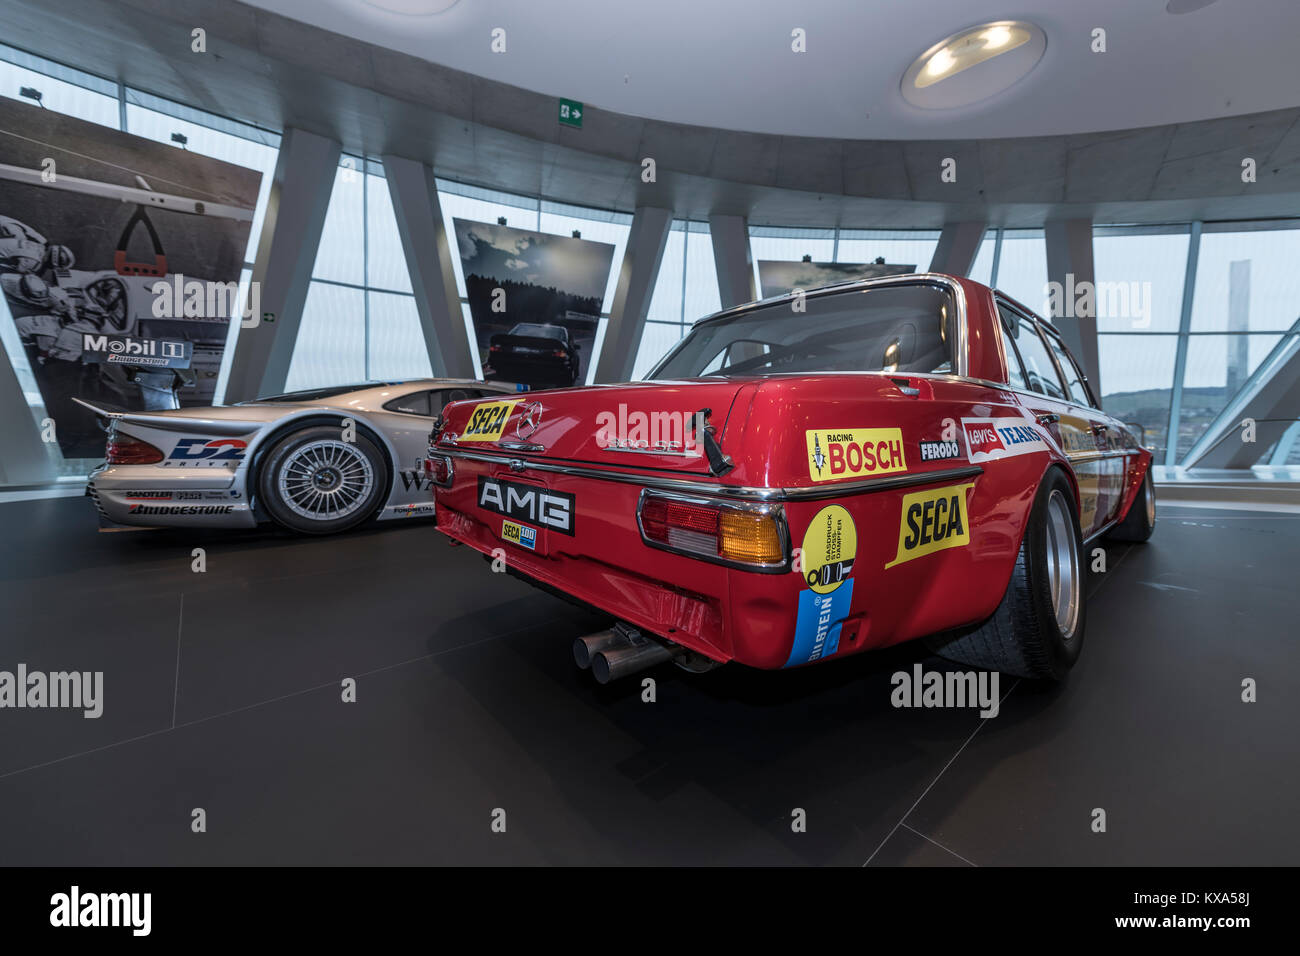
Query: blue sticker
x=817 y=630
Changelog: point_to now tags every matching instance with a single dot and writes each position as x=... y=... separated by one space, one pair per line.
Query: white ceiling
x=728 y=63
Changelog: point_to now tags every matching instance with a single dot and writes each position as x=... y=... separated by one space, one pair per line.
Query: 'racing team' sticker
x=933 y=520
x=991 y=438
x=488 y=420
x=854 y=452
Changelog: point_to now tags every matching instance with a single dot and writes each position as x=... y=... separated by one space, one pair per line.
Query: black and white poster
x=778 y=277
x=120 y=260
x=535 y=300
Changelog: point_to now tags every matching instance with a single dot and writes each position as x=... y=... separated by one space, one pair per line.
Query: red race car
x=812 y=476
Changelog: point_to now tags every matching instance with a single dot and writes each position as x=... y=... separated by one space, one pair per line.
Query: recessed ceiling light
x=413 y=8
x=989 y=58
x=1186 y=6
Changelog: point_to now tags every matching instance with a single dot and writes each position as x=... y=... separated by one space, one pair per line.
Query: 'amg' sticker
x=933 y=520
x=524 y=502
x=940 y=450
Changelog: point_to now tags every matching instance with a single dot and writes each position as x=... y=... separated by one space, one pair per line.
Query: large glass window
x=1217 y=367
x=686 y=289
x=360 y=297
x=1139 y=278
x=63 y=89
x=1022 y=268
x=1247 y=280
x=1137 y=379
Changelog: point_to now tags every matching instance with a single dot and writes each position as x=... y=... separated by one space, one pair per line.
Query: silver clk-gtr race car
x=316 y=462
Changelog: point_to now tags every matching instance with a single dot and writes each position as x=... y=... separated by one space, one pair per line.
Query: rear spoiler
x=171 y=422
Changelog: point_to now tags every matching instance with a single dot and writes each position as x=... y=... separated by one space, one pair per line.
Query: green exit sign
x=571 y=113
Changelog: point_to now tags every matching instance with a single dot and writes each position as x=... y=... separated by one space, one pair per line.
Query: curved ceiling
x=728 y=64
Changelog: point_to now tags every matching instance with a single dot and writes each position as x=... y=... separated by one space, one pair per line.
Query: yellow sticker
x=829 y=546
x=488 y=420
x=933 y=520
x=854 y=452
x=520 y=534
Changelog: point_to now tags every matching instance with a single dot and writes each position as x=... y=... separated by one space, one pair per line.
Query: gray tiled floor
x=223 y=692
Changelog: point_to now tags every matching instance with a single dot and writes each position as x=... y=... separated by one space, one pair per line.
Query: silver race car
x=316 y=462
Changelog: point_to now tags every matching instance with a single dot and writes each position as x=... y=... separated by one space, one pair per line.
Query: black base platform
x=223 y=692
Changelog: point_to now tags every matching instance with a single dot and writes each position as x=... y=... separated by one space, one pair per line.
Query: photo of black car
x=539 y=355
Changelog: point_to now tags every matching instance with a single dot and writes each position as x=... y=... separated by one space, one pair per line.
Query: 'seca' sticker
x=854 y=452
x=933 y=520
x=829 y=546
x=487 y=421
x=520 y=534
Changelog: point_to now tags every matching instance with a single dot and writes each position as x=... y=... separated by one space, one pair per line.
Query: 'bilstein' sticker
x=854 y=452
x=933 y=520
x=829 y=546
x=817 y=629
x=487 y=421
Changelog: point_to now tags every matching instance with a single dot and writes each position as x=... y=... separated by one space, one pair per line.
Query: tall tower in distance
x=1238 y=321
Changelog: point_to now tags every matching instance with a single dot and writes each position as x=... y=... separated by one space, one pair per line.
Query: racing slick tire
x=313 y=482
x=1141 y=518
x=1037 y=629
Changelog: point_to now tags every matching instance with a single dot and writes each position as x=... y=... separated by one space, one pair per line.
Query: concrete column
x=959 y=244
x=731 y=255
x=1069 y=262
x=429 y=247
x=636 y=284
x=286 y=252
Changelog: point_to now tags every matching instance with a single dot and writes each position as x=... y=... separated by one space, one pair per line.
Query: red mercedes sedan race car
x=812 y=476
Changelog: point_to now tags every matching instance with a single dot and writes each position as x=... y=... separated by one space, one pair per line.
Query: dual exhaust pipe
x=620 y=652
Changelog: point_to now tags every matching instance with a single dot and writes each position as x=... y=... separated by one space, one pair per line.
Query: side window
x=439 y=400
x=1040 y=370
x=1073 y=377
x=1010 y=328
x=417 y=403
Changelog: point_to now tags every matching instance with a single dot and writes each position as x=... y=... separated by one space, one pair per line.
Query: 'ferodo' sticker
x=487 y=421
x=933 y=520
x=829 y=546
x=854 y=452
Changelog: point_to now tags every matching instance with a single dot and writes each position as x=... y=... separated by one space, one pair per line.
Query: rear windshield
x=538 y=331
x=903 y=328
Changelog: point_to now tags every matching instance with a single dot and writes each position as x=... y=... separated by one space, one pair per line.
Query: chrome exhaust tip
x=585 y=648
x=616 y=662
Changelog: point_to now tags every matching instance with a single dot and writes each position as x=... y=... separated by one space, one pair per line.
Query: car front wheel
x=1037 y=629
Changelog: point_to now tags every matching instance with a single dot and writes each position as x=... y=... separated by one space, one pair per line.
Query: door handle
x=1048 y=419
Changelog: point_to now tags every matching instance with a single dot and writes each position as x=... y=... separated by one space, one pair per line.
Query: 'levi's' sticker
x=991 y=438
x=487 y=421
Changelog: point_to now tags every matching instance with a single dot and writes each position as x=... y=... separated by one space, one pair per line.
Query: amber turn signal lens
x=750 y=537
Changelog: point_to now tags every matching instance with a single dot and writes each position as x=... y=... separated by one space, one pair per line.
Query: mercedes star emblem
x=530 y=418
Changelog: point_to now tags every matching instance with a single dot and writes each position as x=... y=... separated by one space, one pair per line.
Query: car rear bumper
x=167 y=497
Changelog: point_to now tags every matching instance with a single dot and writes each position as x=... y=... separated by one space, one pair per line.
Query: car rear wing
x=174 y=423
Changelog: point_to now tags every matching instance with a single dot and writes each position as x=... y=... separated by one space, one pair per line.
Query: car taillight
x=746 y=535
x=125 y=450
x=494 y=348
x=558 y=353
x=439 y=470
